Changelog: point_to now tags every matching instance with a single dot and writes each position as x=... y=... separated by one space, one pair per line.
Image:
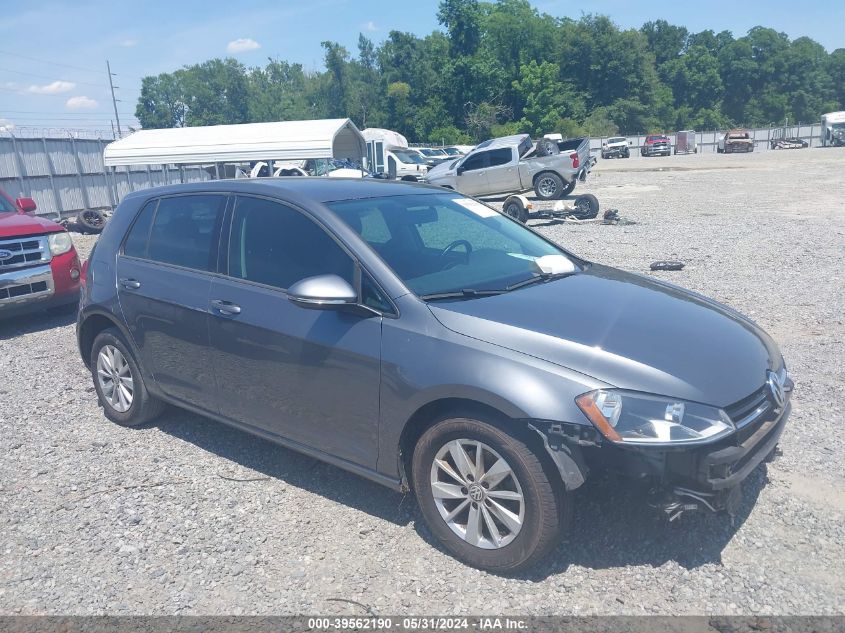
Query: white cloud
x=6 y=125
x=369 y=26
x=241 y=45
x=77 y=103
x=57 y=87
x=129 y=42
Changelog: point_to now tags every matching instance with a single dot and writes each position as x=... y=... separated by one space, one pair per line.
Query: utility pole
x=113 y=100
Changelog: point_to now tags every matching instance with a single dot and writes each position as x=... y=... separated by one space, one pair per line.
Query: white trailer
x=833 y=129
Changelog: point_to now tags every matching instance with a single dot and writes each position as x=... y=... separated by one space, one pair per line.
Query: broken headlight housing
x=627 y=417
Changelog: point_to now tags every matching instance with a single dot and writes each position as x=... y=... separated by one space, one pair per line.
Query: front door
x=164 y=278
x=311 y=376
x=473 y=178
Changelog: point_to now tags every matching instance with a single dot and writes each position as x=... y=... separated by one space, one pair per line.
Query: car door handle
x=226 y=307
x=130 y=284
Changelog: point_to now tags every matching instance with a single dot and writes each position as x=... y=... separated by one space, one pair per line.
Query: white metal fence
x=707 y=141
x=66 y=175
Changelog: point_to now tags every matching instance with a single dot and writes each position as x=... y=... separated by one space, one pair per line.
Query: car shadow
x=29 y=323
x=295 y=469
x=613 y=525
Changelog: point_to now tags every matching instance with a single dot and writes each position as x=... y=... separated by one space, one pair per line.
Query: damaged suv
x=424 y=340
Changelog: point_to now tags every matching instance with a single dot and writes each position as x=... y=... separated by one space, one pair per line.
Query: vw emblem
x=476 y=492
x=775 y=382
x=4 y=255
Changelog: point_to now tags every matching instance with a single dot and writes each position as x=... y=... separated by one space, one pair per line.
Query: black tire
x=516 y=210
x=144 y=407
x=550 y=186
x=547 y=147
x=586 y=207
x=546 y=506
x=91 y=221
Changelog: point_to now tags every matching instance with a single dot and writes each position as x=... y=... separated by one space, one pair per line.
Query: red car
x=656 y=145
x=39 y=267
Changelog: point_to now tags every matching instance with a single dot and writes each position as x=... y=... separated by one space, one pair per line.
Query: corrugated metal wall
x=66 y=175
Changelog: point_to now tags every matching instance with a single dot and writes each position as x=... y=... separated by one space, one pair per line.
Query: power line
x=20 y=72
x=52 y=63
x=4 y=111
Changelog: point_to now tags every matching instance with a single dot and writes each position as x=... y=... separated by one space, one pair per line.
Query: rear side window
x=136 y=241
x=275 y=245
x=500 y=156
x=185 y=229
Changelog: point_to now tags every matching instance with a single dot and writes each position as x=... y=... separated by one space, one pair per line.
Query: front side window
x=185 y=230
x=443 y=242
x=476 y=161
x=275 y=245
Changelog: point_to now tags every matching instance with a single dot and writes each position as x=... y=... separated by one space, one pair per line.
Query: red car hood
x=18 y=224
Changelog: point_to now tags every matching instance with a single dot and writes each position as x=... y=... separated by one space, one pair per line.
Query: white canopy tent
x=283 y=140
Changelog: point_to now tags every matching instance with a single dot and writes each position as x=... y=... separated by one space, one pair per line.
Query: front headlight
x=636 y=418
x=59 y=243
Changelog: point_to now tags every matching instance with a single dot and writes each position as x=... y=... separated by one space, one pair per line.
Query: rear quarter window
x=136 y=241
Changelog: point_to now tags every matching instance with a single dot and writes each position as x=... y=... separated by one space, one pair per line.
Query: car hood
x=14 y=224
x=440 y=170
x=630 y=331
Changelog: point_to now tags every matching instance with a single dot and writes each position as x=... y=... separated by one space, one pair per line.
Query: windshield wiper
x=466 y=293
x=537 y=279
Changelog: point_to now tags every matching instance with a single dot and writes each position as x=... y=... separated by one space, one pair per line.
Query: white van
x=833 y=129
x=388 y=153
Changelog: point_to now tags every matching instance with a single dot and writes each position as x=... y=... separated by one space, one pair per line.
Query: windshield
x=409 y=157
x=451 y=151
x=616 y=140
x=838 y=126
x=442 y=242
x=6 y=206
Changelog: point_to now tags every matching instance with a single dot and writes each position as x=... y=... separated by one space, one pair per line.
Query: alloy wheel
x=547 y=187
x=477 y=493
x=115 y=378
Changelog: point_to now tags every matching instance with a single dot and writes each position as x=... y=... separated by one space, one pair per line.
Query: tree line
x=503 y=67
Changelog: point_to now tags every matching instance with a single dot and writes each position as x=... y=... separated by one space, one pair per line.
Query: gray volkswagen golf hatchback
x=422 y=339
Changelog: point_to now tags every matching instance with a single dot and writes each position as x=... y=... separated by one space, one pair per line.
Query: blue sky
x=52 y=54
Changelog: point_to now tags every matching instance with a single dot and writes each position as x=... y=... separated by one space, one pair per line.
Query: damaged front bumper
x=679 y=479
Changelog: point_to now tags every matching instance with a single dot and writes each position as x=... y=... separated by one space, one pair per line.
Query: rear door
x=473 y=177
x=164 y=275
x=311 y=376
x=503 y=174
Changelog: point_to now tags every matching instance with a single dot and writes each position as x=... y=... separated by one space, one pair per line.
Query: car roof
x=314 y=188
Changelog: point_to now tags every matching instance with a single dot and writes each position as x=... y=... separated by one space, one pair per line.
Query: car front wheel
x=487 y=496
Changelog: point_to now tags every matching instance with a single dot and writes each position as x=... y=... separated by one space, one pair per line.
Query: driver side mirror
x=460 y=170
x=322 y=292
x=27 y=205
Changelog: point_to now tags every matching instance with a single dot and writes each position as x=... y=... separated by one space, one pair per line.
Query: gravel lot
x=188 y=516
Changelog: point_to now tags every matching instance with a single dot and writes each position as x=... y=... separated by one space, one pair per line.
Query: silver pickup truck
x=513 y=164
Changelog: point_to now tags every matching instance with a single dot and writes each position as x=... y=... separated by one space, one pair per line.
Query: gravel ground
x=188 y=516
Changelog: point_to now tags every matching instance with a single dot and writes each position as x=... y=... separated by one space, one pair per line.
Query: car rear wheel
x=118 y=381
x=549 y=186
x=486 y=496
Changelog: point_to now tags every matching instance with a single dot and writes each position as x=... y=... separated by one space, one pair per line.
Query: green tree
x=546 y=99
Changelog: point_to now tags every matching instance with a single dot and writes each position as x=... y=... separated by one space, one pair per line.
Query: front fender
x=424 y=362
